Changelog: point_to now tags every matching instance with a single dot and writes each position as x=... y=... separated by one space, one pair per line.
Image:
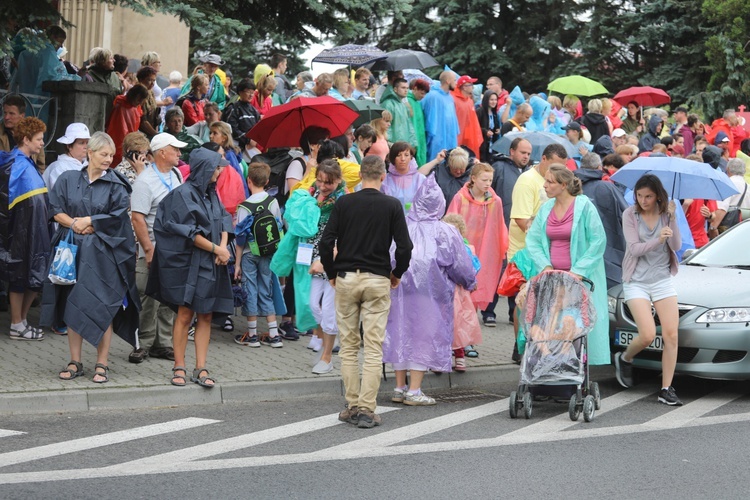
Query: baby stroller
x=556 y=319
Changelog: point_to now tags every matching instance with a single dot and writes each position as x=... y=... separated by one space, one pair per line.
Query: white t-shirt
x=732 y=201
x=148 y=191
x=296 y=170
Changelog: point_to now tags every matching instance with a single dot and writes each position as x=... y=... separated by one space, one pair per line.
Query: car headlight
x=725 y=315
x=612 y=304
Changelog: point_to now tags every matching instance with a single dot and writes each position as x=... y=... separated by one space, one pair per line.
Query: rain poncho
x=420 y=323
x=441 y=124
x=302 y=216
x=540 y=114
x=486 y=231
x=181 y=273
x=402 y=128
x=105 y=293
x=24 y=222
x=466 y=329
x=517 y=98
x=587 y=245
x=349 y=173
x=417 y=121
x=469 y=131
x=651 y=137
x=403 y=187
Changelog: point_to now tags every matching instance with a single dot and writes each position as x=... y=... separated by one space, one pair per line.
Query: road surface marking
x=88 y=443
x=6 y=433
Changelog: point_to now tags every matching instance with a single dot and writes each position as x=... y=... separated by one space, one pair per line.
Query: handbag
x=62 y=271
x=511 y=281
x=734 y=214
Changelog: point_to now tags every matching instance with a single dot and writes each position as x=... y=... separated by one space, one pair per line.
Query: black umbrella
x=353 y=55
x=404 y=59
x=368 y=110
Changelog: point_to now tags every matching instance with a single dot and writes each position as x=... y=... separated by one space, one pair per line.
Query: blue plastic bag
x=63 y=268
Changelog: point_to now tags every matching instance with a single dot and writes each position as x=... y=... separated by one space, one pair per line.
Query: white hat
x=73 y=132
x=618 y=132
x=163 y=140
x=212 y=59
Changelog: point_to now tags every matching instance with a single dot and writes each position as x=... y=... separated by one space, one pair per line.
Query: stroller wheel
x=527 y=402
x=589 y=408
x=573 y=411
x=513 y=405
x=597 y=395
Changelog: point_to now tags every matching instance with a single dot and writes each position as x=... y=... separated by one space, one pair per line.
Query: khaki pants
x=156 y=319
x=369 y=296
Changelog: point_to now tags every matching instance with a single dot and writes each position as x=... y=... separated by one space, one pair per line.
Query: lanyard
x=161 y=177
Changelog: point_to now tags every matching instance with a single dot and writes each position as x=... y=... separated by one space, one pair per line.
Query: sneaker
x=489 y=321
x=321 y=367
x=460 y=365
x=273 y=341
x=349 y=415
x=516 y=356
x=138 y=355
x=367 y=419
x=316 y=344
x=398 y=395
x=624 y=371
x=420 y=399
x=301 y=333
x=286 y=330
x=669 y=397
x=247 y=340
x=191 y=333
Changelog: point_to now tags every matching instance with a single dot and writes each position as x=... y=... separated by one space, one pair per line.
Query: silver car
x=713 y=292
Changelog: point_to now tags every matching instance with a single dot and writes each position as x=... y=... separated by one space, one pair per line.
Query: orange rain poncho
x=469 y=131
x=486 y=231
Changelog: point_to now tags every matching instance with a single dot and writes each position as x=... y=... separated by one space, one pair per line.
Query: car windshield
x=727 y=251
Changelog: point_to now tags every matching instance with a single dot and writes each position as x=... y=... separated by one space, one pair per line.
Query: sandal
x=105 y=375
x=73 y=374
x=471 y=352
x=228 y=325
x=201 y=381
x=176 y=378
x=28 y=333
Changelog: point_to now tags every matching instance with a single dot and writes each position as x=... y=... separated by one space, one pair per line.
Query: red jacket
x=193 y=111
x=125 y=118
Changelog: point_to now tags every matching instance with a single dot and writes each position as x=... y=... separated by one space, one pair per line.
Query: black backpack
x=278 y=159
x=265 y=228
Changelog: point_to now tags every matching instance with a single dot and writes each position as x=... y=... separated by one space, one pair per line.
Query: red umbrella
x=644 y=96
x=283 y=125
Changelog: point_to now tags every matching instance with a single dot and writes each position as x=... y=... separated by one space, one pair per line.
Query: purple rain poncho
x=420 y=324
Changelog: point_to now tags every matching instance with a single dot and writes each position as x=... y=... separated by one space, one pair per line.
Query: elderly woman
x=25 y=226
x=189 y=272
x=135 y=149
x=93 y=203
x=453 y=173
x=102 y=70
x=403 y=179
x=595 y=121
x=75 y=140
x=126 y=117
x=174 y=123
x=192 y=106
x=340 y=90
x=567 y=235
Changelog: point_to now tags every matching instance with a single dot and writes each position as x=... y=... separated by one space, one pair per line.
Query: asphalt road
x=465 y=447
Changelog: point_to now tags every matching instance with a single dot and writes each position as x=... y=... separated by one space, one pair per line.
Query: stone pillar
x=83 y=102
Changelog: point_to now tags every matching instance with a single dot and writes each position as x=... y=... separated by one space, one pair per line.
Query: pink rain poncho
x=486 y=231
x=403 y=187
x=420 y=324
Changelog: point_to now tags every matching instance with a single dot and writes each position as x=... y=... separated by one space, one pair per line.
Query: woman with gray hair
x=305 y=80
x=174 y=123
x=102 y=70
x=92 y=204
x=736 y=171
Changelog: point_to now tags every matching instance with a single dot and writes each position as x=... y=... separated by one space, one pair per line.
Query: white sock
x=415 y=393
x=273 y=329
x=18 y=326
x=252 y=327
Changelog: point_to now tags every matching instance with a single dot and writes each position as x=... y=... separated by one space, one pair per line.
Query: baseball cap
x=465 y=79
x=73 y=132
x=212 y=59
x=721 y=137
x=618 y=132
x=573 y=126
x=163 y=140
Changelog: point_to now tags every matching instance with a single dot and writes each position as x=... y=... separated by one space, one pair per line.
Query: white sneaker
x=420 y=399
x=316 y=344
x=322 y=367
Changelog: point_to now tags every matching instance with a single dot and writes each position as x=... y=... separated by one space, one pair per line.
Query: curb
x=65 y=401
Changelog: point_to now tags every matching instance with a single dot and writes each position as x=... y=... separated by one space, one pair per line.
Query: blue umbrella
x=538 y=140
x=353 y=55
x=681 y=178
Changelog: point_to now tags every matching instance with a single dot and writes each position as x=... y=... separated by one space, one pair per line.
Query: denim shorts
x=649 y=291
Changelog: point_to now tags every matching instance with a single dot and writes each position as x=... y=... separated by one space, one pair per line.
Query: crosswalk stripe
x=7 y=433
x=696 y=409
x=87 y=443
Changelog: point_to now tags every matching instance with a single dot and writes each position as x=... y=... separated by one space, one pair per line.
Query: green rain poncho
x=417 y=120
x=402 y=128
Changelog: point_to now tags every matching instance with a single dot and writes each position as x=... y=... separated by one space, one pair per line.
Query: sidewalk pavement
x=31 y=383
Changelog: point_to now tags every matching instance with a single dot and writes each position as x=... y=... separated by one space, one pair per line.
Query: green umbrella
x=368 y=110
x=577 y=85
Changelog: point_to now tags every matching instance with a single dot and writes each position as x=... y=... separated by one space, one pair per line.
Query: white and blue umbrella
x=353 y=55
x=681 y=178
x=538 y=140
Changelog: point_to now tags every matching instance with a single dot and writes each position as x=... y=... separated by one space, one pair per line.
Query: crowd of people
x=405 y=225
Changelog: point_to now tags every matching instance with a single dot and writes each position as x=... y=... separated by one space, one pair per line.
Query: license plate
x=624 y=339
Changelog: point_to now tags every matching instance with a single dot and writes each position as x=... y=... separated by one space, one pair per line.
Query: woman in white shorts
x=650 y=261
